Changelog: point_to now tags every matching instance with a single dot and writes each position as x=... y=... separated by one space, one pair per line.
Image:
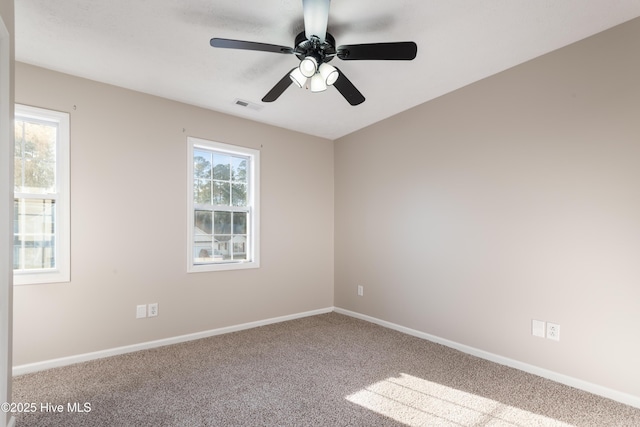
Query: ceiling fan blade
x=348 y=90
x=316 y=17
x=403 y=51
x=279 y=88
x=241 y=44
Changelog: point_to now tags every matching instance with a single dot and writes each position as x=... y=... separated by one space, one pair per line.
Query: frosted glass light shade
x=329 y=73
x=317 y=83
x=308 y=66
x=297 y=77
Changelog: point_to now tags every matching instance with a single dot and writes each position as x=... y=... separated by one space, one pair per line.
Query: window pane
x=201 y=164
x=221 y=167
x=221 y=193
x=35 y=157
x=202 y=191
x=17 y=248
x=240 y=247
x=239 y=194
x=203 y=252
x=222 y=223
x=36 y=217
x=34 y=239
x=239 y=169
x=222 y=247
x=203 y=223
x=239 y=223
x=18 y=156
x=38 y=256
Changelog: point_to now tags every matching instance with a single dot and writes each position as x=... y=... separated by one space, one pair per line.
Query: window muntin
x=41 y=196
x=34 y=234
x=223 y=211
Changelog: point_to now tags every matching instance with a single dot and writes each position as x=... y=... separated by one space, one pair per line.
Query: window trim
x=62 y=272
x=254 y=205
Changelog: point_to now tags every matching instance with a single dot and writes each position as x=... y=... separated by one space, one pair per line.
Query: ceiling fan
x=315 y=47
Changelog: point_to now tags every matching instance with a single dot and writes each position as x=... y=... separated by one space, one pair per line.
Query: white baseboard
x=618 y=396
x=70 y=360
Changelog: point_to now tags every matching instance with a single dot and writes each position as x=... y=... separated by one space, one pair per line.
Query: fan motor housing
x=322 y=51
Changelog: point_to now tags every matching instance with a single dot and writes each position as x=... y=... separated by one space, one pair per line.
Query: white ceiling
x=161 y=47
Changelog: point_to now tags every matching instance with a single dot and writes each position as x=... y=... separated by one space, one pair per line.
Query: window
x=41 y=196
x=223 y=206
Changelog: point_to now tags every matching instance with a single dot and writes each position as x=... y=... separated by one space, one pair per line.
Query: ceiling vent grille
x=246 y=104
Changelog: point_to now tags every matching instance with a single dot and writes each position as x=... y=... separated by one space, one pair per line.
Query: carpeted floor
x=326 y=370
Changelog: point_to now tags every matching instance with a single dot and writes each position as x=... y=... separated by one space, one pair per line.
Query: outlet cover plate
x=153 y=309
x=553 y=331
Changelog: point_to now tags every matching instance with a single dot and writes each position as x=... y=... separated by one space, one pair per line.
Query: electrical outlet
x=538 y=328
x=360 y=290
x=153 y=309
x=141 y=311
x=553 y=331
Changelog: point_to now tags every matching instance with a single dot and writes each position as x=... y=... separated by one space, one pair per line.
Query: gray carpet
x=326 y=370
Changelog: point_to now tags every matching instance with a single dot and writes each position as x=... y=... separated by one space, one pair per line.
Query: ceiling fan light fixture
x=297 y=77
x=329 y=73
x=314 y=47
x=317 y=83
x=308 y=66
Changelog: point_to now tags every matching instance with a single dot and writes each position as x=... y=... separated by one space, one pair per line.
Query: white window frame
x=62 y=271
x=253 y=257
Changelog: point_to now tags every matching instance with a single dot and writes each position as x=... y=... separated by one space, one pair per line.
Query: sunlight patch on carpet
x=417 y=402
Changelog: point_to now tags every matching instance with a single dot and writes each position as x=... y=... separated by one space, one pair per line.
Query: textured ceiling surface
x=161 y=47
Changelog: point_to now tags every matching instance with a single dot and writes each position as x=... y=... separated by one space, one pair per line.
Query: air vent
x=246 y=104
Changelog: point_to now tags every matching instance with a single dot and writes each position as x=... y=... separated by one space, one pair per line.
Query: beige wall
x=512 y=199
x=129 y=224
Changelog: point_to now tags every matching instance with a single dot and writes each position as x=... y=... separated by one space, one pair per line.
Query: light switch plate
x=538 y=328
x=141 y=311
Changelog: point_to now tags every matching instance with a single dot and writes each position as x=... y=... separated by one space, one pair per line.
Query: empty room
x=315 y=212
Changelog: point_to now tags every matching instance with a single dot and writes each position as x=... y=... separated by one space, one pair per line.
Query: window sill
x=39 y=278
x=201 y=268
